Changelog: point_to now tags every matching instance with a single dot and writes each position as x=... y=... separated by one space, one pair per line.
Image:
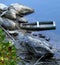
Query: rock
x=39 y=48
x=1 y=21
x=21 y=20
x=41 y=36
x=10 y=13
x=15 y=10
x=47 y=39
x=7 y=24
x=14 y=32
x=21 y=10
x=3 y=7
x=34 y=34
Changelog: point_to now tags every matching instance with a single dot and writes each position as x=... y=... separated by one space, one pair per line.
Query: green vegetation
x=7 y=51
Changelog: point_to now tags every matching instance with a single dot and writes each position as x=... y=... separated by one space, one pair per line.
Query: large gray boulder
x=7 y=24
x=15 y=10
x=21 y=10
x=10 y=14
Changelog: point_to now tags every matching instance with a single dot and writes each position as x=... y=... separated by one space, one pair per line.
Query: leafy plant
x=7 y=51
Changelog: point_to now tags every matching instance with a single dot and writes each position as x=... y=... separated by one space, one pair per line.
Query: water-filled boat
x=38 y=26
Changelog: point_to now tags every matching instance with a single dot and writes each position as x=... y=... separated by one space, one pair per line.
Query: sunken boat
x=38 y=26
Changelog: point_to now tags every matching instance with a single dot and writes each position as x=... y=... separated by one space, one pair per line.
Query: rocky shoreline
x=10 y=19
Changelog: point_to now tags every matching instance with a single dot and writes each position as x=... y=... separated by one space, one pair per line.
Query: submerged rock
x=39 y=47
x=47 y=39
x=41 y=36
